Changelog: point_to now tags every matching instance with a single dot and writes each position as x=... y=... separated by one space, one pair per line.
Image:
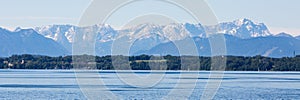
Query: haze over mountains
x=243 y=38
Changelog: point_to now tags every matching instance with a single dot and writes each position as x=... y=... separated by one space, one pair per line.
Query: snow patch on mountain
x=244 y=28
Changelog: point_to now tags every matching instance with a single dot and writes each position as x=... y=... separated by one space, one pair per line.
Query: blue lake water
x=61 y=84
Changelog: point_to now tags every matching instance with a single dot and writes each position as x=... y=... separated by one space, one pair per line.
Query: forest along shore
x=143 y=62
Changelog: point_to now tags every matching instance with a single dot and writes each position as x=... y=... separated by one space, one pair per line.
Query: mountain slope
x=267 y=46
x=243 y=37
x=282 y=34
x=244 y=28
x=27 y=41
x=297 y=37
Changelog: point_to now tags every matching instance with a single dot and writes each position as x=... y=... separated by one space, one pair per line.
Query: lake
x=145 y=85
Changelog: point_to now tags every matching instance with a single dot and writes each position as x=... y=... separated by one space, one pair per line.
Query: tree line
x=149 y=62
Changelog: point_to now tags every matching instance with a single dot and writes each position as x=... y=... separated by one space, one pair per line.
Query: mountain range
x=243 y=38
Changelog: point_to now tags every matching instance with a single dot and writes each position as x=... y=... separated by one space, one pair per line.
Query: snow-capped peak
x=244 y=28
x=244 y=21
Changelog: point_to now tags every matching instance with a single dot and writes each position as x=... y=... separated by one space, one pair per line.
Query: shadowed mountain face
x=243 y=37
x=267 y=46
x=28 y=41
x=297 y=37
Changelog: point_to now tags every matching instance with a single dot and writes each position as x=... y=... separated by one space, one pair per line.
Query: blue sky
x=278 y=15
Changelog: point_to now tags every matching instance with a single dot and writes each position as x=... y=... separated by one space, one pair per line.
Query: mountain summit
x=243 y=37
x=283 y=34
x=244 y=28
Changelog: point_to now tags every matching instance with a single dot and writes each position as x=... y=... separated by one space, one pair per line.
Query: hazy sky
x=278 y=15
